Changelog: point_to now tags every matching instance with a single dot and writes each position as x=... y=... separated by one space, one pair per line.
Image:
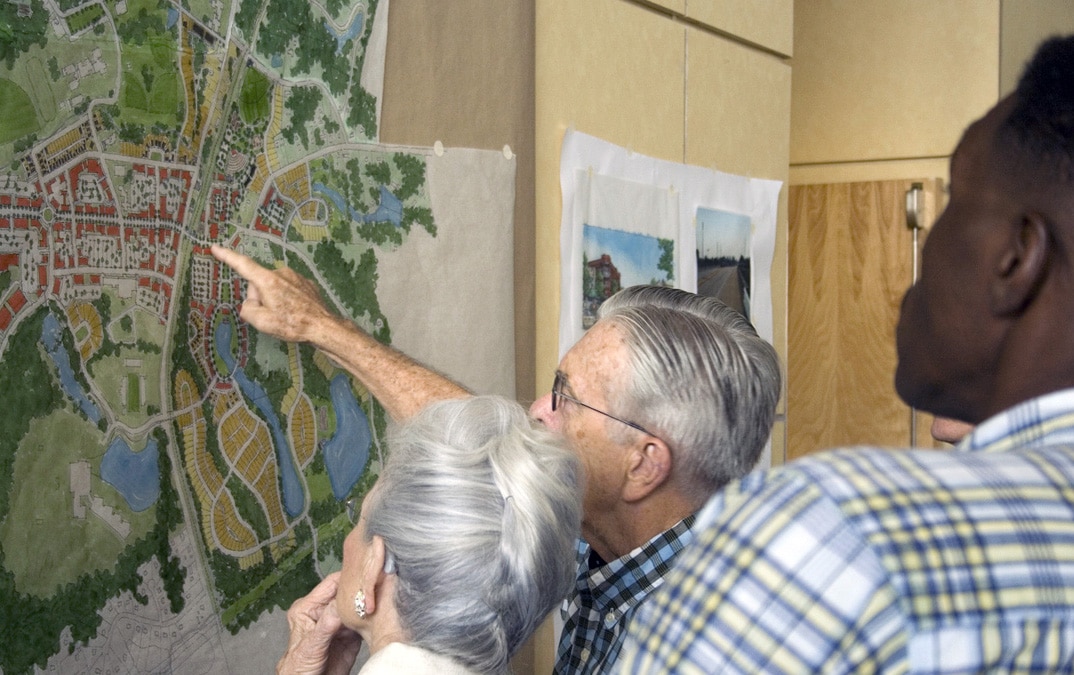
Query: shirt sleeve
x=777 y=580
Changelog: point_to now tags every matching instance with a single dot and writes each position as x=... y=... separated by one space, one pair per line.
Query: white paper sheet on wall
x=602 y=180
x=628 y=236
x=463 y=275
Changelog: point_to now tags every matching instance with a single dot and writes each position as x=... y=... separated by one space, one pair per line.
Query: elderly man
x=668 y=397
x=911 y=561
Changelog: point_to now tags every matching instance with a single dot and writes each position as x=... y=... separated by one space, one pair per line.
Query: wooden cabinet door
x=851 y=259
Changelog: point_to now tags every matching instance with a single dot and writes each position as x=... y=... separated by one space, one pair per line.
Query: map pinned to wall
x=170 y=479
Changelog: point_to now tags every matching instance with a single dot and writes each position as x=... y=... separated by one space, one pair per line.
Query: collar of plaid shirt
x=1046 y=420
x=605 y=597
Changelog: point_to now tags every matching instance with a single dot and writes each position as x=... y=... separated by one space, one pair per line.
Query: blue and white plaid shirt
x=868 y=560
x=606 y=596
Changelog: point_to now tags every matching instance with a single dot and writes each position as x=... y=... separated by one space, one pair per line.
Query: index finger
x=326 y=590
x=321 y=595
x=243 y=264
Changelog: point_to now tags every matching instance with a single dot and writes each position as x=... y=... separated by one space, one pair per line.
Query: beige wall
x=738 y=99
x=461 y=72
x=883 y=88
x=1023 y=24
x=705 y=83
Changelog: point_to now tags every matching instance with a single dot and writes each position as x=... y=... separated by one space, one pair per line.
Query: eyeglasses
x=557 y=393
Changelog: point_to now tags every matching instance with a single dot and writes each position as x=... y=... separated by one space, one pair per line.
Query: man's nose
x=541 y=410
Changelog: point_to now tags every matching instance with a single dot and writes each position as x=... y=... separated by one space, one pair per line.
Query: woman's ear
x=373 y=572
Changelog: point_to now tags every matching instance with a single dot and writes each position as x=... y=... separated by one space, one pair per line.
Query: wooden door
x=851 y=258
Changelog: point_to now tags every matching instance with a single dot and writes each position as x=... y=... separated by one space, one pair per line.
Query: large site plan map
x=169 y=478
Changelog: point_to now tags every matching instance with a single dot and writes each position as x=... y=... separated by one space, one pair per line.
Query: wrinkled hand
x=279 y=302
x=319 y=642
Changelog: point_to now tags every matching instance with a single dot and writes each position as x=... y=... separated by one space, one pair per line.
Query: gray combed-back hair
x=700 y=378
x=480 y=510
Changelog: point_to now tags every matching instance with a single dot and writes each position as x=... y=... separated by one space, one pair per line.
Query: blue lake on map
x=293 y=497
x=346 y=453
x=51 y=332
x=390 y=209
x=135 y=474
x=352 y=31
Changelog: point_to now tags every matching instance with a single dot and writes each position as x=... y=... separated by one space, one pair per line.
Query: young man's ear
x=1021 y=268
x=649 y=467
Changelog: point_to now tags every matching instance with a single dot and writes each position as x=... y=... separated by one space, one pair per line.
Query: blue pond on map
x=51 y=333
x=349 y=445
x=136 y=475
x=390 y=209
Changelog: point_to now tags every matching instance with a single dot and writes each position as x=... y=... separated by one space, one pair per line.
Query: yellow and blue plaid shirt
x=605 y=597
x=866 y=560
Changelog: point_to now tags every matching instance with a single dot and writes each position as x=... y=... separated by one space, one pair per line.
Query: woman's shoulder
x=403 y=658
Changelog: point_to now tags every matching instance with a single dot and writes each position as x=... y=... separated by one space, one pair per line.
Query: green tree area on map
x=48 y=583
x=355 y=201
x=191 y=135
x=282 y=562
x=17 y=36
x=297 y=42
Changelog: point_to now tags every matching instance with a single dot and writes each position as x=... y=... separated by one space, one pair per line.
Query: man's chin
x=904 y=385
x=916 y=392
x=927 y=396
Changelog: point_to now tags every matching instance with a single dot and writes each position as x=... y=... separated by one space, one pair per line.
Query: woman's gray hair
x=480 y=511
x=700 y=378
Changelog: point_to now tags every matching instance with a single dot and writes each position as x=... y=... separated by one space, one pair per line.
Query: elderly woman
x=463 y=546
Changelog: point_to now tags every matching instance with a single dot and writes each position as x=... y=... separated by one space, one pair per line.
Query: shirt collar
x=1040 y=421
x=622 y=583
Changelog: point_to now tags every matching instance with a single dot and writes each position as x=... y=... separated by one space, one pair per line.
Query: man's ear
x=649 y=467
x=1021 y=268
